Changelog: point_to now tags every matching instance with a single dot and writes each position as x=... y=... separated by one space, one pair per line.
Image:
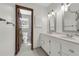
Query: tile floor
x=26 y=51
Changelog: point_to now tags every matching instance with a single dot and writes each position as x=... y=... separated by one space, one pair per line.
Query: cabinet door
x=46 y=47
x=45 y=43
x=64 y=54
x=42 y=43
x=55 y=47
x=70 y=48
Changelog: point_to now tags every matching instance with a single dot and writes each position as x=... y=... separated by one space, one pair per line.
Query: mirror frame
x=64 y=26
x=50 y=31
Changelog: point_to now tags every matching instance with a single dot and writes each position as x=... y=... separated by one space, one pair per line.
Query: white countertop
x=74 y=39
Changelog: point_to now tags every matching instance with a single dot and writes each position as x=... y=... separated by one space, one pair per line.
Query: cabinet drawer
x=64 y=54
x=70 y=48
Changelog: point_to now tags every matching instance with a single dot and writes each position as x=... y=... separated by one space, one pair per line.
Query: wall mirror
x=52 y=21
x=71 y=17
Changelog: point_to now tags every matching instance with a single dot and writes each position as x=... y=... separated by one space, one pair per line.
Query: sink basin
x=68 y=37
x=76 y=37
x=71 y=37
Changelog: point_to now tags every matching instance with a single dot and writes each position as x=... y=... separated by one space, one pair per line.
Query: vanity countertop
x=74 y=39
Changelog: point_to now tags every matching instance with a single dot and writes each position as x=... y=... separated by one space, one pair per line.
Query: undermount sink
x=68 y=37
x=71 y=36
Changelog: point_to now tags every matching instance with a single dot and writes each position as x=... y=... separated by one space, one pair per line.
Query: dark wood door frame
x=17 y=30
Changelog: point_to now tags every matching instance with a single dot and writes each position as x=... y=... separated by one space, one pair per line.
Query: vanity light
x=65 y=6
x=51 y=13
x=68 y=4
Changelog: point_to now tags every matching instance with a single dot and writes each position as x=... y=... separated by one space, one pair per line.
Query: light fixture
x=62 y=4
x=68 y=4
x=49 y=14
x=65 y=6
x=52 y=13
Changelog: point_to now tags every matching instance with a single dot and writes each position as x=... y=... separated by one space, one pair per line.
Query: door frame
x=16 y=30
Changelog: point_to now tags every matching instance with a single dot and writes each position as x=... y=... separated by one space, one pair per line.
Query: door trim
x=16 y=35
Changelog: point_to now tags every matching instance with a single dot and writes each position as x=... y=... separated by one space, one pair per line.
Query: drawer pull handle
x=49 y=52
x=58 y=52
x=72 y=51
x=49 y=41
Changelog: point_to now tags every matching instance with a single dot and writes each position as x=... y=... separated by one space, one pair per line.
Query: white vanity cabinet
x=69 y=48
x=50 y=45
x=55 y=46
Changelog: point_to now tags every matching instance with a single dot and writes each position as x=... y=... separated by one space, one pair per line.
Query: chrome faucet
x=69 y=35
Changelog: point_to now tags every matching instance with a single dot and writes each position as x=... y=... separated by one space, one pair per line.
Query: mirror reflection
x=52 y=21
x=71 y=17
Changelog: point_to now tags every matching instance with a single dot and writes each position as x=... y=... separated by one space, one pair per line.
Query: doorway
x=24 y=27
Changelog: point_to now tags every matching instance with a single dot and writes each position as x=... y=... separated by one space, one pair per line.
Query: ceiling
x=44 y=4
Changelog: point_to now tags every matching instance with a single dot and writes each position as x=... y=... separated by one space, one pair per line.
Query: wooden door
x=18 y=31
x=18 y=39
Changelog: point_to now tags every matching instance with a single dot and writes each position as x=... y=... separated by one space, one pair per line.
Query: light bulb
x=49 y=15
x=53 y=13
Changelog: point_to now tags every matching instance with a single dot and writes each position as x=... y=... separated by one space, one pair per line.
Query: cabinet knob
x=49 y=52
x=59 y=52
x=72 y=51
x=49 y=41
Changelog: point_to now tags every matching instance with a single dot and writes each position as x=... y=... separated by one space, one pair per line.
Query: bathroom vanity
x=62 y=24
x=59 y=44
